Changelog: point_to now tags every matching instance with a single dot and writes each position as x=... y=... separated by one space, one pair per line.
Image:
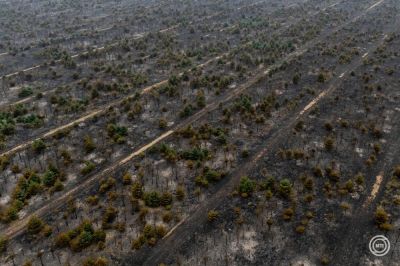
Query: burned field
x=199 y=132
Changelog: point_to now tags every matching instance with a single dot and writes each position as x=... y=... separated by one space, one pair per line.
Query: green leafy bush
x=246 y=185
x=152 y=199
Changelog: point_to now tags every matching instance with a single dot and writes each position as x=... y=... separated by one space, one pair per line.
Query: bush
x=167 y=217
x=329 y=143
x=296 y=79
x=285 y=188
x=396 y=171
x=318 y=171
x=149 y=231
x=35 y=225
x=152 y=199
x=360 y=179
x=109 y=215
x=88 y=144
x=288 y=214
x=137 y=190
x=117 y=133
x=212 y=215
x=47 y=230
x=38 y=146
x=246 y=185
x=92 y=200
x=11 y=214
x=3 y=244
x=49 y=177
x=349 y=186
x=99 y=261
x=161 y=231
x=196 y=154
x=89 y=167
x=138 y=242
x=321 y=77
x=188 y=110
x=324 y=260
x=106 y=184
x=99 y=236
x=166 y=199
x=58 y=186
x=180 y=193
x=62 y=240
x=127 y=179
x=4 y=162
x=211 y=175
x=162 y=123
x=245 y=153
x=27 y=263
x=80 y=237
x=200 y=99
x=25 y=92
x=300 y=229
x=382 y=218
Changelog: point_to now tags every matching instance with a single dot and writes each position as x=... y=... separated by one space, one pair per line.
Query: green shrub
x=89 y=167
x=166 y=199
x=35 y=225
x=196 y=154
x=107 y=184
x=117 y=133
x=25 y=92
x=187 y=111
x=50 y=176
x=246 y=185
x=80 y=237
x=152 y=199
x=285 y=188
x=38 y=146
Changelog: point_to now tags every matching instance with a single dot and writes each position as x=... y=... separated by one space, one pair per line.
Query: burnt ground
x=200 y=133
